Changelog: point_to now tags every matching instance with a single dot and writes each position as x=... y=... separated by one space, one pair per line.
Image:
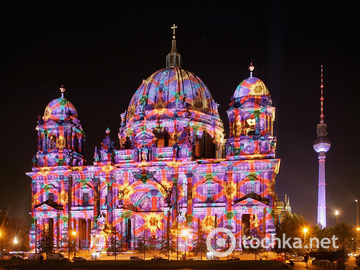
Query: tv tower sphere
x=322 y=144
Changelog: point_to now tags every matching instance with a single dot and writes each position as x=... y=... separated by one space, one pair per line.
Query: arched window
x=51 y=198
x=76 y=143
x=128 y=232
x=86 y=199
x=52 y=141
x=210 y=151
x=245 y=222
x=51 y=229
x=127 y=144
x=250 y=126
x=249 y=187
x=198 y=147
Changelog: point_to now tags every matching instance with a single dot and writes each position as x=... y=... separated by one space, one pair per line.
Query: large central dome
x=172 y=88
x=171 y=107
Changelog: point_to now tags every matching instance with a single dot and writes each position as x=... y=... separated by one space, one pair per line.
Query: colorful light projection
x=170 y=172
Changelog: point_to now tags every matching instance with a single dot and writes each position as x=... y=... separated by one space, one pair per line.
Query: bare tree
x=46 y=243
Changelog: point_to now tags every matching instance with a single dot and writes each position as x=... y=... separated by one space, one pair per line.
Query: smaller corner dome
x=60 y=109
x=250 y=87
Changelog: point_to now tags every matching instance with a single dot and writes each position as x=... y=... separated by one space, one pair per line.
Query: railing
x=125 y=155
x=161 y=153
x=327 y=264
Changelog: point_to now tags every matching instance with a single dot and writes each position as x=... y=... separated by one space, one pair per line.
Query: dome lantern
x=173 y=59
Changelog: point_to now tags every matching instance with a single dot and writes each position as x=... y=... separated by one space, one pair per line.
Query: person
x=291 y=263
x=306 y=259
x=340 y=264
x=41 y=258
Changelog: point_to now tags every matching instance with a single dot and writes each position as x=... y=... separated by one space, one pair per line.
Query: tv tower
x=321 y=145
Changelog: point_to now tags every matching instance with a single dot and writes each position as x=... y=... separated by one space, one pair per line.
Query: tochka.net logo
x=266 y=243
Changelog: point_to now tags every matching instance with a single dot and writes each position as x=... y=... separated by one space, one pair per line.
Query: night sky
x=102 y=51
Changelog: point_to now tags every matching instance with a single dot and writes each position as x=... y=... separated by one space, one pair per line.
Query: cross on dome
x=62 y=90
x=251 y=69
x=173 y=28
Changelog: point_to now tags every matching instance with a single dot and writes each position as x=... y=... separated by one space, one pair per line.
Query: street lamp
x=74 y=235
x=15 y=242
x=185 y=233
x=337 y=216
x=305 y=231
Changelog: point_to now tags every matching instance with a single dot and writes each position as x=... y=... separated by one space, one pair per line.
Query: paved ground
x=298 y=265
x=349 y=265
x=107 y=264
x=302 y=265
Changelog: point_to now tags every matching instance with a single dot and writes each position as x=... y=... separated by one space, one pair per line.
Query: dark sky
x=102 y=51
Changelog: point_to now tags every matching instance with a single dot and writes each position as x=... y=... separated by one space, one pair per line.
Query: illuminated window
x=52 y=141
x=51 y=198
x=212 y=189
x=51 y=228
x=204 y=147
x=163 y=139
x=249 y=188
x=86 y=199
x=245 y=222
x=250 y=125
x=197 y=148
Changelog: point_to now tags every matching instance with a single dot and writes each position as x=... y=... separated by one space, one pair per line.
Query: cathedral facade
x=174 y=169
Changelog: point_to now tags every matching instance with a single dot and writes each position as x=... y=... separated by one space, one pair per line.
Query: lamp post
x=337 y=216
x=15 y=242
x=305 y=255
x=114 y=238
x=185 y=233
x=177 y=240
x=305 y=231
x=69 y=245
x=74 y=235
x=357 y=226
x=2 y=257
x=357 y=236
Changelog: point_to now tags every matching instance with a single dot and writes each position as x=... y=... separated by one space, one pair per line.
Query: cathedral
x=174 y=169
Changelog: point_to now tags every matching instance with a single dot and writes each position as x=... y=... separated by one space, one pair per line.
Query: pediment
x=45 y=206
x=253 y=199
x=248 y=104
x=144 y=136
x=51 y=123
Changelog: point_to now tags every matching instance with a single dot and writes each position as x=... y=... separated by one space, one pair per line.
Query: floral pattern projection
x=173 y=169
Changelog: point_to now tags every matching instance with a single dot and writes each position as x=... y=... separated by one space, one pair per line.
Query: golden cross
x=173 y=28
